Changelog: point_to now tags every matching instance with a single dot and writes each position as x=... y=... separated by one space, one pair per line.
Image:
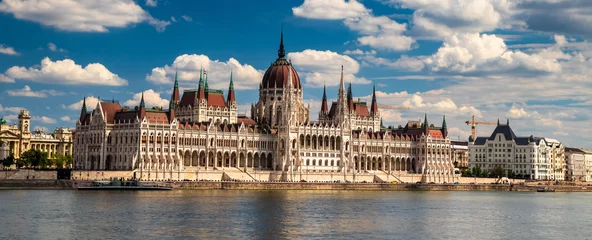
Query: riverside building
x=579 y=164
x=535 y=158
x=202 y=133
x=19 y=138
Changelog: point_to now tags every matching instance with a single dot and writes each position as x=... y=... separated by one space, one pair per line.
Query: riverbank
x=230 y=185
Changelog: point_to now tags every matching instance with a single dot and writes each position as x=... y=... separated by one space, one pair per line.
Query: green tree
x=497 y=172
x=477 y=172
x=34 y=158
x=511 y=174
x=467 y=173
x=8 y=161
x=68 y=160
x=59 y=160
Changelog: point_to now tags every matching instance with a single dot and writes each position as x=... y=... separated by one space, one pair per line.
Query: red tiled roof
x=216 y=100
x=188 y=98
x=246 y=121
x=109 y=110
x=362 y=110
x=157 y=117
x=436 y=134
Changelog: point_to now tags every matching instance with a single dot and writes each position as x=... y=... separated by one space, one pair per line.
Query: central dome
x=276 y=75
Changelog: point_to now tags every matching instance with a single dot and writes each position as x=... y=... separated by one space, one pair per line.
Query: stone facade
x=201 y=133
x=579 y=164
x=460 y=154
x=535 y=157
x=20 y=138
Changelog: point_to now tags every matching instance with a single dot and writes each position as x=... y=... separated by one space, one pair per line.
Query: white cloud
x=329 y=9
x=151 y=3
x=380 y=32
x=44 y=119
x=151 y=99
x=480 y=54
x=442 y=18
x=8 y=50
x=244 y=76
x=324 y=67
x=52 y=47
x=81 y=15
x=359 y=52
x=173 y=19
x=91 y=103
x=66 y=119
x=5 y=79
x=27 y=92
x=187 y=18
x=516 y=113
x=66 y=72
x=11 y=118
x=10 y=109
x=388 y=42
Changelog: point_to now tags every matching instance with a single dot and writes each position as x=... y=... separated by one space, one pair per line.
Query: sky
x=523 y=61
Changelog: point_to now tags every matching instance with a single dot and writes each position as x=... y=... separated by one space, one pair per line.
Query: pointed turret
x=231 y=98
x=142 y=108
x=444 y=128
x=281 y=51
x=201 y=90
x=83 y=111
x=324 y=109
x=374 y=106
x=507 y=122
x=350 y=98
x=498 y=121
x=175 y=99
x=426 y=127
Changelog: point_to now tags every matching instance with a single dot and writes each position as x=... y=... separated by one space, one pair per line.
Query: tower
x=24 y=120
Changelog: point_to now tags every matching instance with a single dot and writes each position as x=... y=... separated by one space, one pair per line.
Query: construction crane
x=394 y=107
x=473 y=123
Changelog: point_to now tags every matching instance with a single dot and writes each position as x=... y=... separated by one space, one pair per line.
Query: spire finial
x=498 y=121
x=176 y=81
x=281 y=51
x=231 y=82
x=142 y=105
x=508 y=121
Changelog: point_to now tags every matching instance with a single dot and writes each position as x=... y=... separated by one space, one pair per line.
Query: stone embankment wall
x=35 y=184
x=28 y=174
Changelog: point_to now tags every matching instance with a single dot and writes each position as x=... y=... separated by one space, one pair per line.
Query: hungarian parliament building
x=202 y=133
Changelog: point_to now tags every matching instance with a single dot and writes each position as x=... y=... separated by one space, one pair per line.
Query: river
x=233 y=214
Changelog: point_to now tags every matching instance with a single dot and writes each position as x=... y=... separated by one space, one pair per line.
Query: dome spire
x=281 y=51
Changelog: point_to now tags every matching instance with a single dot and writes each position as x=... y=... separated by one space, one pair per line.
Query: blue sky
x=493 y=59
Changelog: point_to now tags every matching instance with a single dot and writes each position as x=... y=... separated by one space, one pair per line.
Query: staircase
x=235 y=174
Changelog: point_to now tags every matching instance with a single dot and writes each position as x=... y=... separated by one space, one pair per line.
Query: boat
x=546 y=189
x=123 y=185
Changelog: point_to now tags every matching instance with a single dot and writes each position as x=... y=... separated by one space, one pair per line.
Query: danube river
x=224 y=214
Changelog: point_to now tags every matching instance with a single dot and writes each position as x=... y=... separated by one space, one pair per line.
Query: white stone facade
x=279 y=137
x=536 y=158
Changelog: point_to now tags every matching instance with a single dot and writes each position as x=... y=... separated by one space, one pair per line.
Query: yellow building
x=19 y=138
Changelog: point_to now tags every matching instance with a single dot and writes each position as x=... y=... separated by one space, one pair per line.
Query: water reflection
x=219 y=214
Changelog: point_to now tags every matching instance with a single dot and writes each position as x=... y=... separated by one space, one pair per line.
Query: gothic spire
x=231 y=97
x=201 y=92
x=83 y=111
x=281 y=51
x=142 y=105
x=374 y=106
x=175 y=95
x=324 y=108
x=425 y=123
x=444 y=128
x=350 y=98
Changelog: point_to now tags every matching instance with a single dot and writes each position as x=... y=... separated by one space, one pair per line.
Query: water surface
x=224 y=214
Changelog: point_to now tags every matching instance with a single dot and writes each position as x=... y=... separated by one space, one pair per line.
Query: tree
x=33 y=158
x=511 y=174
x=8 y=161
x=477 y=171
x=497 y=172
x=68 y=161
x=59 y=160
x=467 y=173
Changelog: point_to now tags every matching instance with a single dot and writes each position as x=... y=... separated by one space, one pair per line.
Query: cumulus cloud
x=66 y=119
x=66 y=72
x=381 y=32
x=151 y=99
x=324 y=67
x=27 y=92
x=8 y=50
x=5 y=79
x=188 y=66
x=91 y=103
x=44 y=119
x=82 y=15
x=10 y=109
x=516 y=112
x=442 y=18
x=359 y=52
x=329 y=9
